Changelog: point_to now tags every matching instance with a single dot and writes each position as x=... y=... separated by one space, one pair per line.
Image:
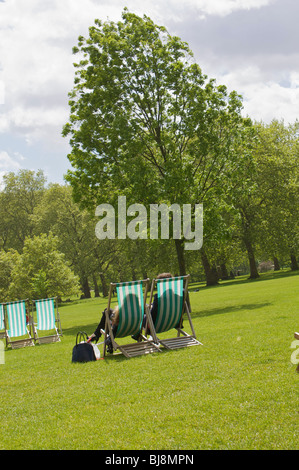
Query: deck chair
x=132 y=306
x=19 y=325
x=172 y=295
x=47 y=320
x=2 y=324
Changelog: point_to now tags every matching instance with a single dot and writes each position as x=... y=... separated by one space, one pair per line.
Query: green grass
x=237 y=391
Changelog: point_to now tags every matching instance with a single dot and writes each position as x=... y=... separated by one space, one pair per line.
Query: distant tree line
x=48 y=244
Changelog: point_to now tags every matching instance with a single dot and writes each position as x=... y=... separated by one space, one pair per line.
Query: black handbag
x=82 y=351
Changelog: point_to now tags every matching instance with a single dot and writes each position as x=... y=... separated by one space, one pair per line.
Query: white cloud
x=264 y=99
x=36 y=39
x=2 y=92
x=8 y=163
x=219 y=7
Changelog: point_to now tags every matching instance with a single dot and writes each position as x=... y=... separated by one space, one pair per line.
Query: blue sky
x=251 y=46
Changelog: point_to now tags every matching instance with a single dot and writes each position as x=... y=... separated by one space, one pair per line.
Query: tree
x=244 y=199
x=266 y=193
x=21 y=193
x=277 y=153
x=145 y=122
x=8 y=260
x=42 y=271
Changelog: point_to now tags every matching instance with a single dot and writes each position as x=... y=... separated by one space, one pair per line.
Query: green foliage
x=42 y=271
x=40 y=284
x=276 y=156
x=8 y=260
x=21 y=193
x=144 y=119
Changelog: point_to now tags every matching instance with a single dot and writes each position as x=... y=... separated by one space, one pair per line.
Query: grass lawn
x=237 y=391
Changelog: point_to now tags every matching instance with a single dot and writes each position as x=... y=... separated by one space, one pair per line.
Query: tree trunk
x=294 y=263
x=252 y=264
x=223 y=272
x=134 y=277
x=179 y=245
x=211 y=273
x=246 y=223
x=104 y=285
x=85 y=288
x=276 y=264
x=96 y=287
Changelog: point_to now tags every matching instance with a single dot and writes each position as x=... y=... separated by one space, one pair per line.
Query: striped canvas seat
x=131 y=297
x=170 y=303
x=17 y=321
x=47 y=320
x=172 y=294
x=131 y=308
x=45 y=310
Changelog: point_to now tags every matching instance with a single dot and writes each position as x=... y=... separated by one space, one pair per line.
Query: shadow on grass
x=119 y=357
x=244 y=279
x=229 y=309
x=89 y=329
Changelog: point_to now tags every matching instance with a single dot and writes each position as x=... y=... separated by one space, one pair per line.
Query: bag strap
x=81 y=336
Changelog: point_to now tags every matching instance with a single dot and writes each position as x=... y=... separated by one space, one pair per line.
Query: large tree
x=42 y=271
x=145 y=122
x=21 y=193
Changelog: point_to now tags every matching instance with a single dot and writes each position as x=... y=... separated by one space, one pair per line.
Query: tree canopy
x=42 y=271
x=146 y=122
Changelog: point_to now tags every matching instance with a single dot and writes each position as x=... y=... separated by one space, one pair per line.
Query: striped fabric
x=1 y=317
x=131 y=308
x=16 y=314
x=170 y=303
x=45 y=311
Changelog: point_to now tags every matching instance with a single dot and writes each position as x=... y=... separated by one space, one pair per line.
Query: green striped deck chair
x=47 y=320
x=19 y=325
x=171 y=304
x=2 y=323
x=131 y=298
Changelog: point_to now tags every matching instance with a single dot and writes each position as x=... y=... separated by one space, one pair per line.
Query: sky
x=251 y=46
